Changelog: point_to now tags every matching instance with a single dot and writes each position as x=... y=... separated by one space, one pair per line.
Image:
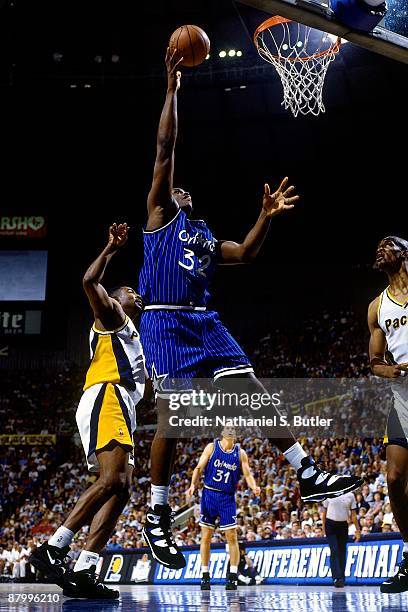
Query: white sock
x=294 y=455
x=204 y=569
x=233 y=569
x=85 y=560
x=62 y=537
x=158 y=495
x=405 y=547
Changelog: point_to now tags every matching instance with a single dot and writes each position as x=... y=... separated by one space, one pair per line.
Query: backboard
x=389 y=39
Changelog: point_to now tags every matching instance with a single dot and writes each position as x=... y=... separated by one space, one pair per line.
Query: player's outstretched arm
x=195 y=479
x=160 y=203
x=273 y=204
x=250 y=480
x=378 y=346
x=107 y=311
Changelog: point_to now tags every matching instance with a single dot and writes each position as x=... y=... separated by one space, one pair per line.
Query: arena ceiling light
x=231 y=53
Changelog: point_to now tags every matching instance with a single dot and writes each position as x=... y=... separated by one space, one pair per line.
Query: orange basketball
x=192 y=43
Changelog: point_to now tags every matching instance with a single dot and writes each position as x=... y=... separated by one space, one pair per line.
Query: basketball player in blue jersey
x=181 y=339
x=388 y=324
x=223 y=463
x=106 y=418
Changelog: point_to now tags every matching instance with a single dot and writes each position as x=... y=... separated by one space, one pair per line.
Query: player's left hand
x=275 y=203
x=190 y=491
x=118 y=235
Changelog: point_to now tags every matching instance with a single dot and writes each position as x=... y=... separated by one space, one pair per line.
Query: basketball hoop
x=288 y=46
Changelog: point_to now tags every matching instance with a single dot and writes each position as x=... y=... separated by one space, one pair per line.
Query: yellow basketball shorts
x=105 y=412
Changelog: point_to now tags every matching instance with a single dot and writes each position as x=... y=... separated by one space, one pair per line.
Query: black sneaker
x=86 y=585
x=339 y=583
x=232 y=582
x=399 y=582
x=157 y=533
x=51 y=561
x=318 y=485
x=205 y=582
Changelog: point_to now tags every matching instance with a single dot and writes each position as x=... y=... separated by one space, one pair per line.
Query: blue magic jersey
x=223 y=470
x=179 y=263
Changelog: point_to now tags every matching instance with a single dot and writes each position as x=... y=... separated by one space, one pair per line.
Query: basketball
x=192 y=43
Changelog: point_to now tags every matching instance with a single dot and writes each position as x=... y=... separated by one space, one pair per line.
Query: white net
x=301 y=56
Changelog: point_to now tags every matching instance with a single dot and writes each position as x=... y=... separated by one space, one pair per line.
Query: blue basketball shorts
x=185 y=345
x=218 y=509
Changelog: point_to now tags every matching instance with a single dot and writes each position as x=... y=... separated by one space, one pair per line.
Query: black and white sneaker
x=205 y=582
x=86 y=585
x=157 y=533
x=318 y=485
x=399 y=582
x=51 y=561
x=232 y=582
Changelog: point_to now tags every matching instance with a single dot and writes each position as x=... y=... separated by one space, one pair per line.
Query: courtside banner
x=127 y=567
x=299 y=562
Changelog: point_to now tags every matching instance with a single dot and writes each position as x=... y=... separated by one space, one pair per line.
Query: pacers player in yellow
x=106 y=418
x=388 y=323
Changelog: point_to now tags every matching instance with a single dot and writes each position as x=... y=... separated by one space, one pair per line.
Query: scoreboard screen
x=23 y=276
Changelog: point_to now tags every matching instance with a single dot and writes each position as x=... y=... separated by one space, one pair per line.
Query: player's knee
x=206 y=535
x=247 y=381
x=232 y=536
x=115 y=483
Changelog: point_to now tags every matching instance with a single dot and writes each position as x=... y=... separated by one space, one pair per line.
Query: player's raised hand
x=118 y=234
x=279 y=201
x=173 y=61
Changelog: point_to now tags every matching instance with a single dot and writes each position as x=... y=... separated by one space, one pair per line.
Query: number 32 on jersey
x=189 y=261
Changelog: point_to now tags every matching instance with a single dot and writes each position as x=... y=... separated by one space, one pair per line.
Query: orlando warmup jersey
x=179 y=263
x=223 y=470
x=116 y=357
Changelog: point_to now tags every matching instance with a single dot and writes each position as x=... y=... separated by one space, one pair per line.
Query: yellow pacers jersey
x=116 y=357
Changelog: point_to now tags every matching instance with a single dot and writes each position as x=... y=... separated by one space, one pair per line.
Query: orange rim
x=277 y=20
